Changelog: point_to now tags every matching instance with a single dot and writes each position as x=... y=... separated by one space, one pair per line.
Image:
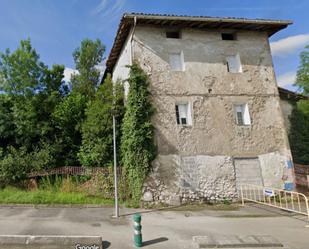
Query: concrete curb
x=234 y=241
x=65 y=242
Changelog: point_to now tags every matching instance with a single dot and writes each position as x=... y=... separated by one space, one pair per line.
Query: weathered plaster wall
x=287 y=108
x=196 y=162
x=121 y=70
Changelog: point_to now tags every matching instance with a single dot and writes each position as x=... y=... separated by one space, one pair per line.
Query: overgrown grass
x=11 y=195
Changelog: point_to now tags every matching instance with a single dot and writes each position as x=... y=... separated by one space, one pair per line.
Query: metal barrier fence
x=278 y=198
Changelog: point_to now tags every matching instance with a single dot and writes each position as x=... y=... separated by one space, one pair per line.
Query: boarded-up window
x=234 y=64
x=176 y=61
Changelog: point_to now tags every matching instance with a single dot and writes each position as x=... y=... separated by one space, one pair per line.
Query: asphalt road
x=162 y=229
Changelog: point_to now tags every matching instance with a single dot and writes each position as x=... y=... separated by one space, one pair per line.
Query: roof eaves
x=128 y=19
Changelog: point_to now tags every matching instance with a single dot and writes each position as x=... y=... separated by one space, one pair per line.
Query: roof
x=289 y=95
x=194 y=22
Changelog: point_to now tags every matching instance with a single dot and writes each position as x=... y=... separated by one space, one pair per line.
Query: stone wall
x=177 y=179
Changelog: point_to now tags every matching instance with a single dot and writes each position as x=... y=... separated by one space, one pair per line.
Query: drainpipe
x=133 y=31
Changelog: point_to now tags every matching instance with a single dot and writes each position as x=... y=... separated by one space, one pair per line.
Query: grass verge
x=12 y=195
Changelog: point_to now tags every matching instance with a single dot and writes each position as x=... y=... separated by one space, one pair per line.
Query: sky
x=56 y=27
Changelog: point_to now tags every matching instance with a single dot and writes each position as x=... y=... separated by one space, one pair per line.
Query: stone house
x=218 y=121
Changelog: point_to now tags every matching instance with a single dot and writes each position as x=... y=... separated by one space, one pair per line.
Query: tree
x=7 y=126
x=22 y=73
x=30 y=93
x=302 y=79
x=68 y=118
x=69 y=114
x=299 y=130
x=299 y=135
x=87 y=57
x=137 y=146
x=97 y=131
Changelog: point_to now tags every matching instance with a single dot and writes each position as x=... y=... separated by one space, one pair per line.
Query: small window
x=228 y=36
x=234 y=64
x=183 y=114
x=176 y=61
x=242 y=114
x=173 y=34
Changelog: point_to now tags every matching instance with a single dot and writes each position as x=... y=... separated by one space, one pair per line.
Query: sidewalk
x=161 y=229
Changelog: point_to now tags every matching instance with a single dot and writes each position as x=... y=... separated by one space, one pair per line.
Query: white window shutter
x=182 y=111
x=247 y=120
x=189 y=116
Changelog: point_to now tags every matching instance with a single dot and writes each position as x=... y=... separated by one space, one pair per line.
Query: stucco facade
x=198 y=162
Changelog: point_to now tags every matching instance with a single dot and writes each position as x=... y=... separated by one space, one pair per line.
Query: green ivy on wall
x=137 y=146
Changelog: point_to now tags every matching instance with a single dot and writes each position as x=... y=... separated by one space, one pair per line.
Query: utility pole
x=115 y=169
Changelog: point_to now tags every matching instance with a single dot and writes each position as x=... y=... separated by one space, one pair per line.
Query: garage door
x=248 y=171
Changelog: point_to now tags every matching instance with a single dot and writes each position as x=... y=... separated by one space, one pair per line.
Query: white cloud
x=109 y=8
x=109 y=11
x=286 y=79
x=68 y=73
x=289 y=45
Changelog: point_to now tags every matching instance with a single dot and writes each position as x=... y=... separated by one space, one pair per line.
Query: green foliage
x=7 y=126
x=302 y=80
x=16 y=164
x=87 y=57
x=137 y=146
x=43 y=124
x=21 y=72
x=303 y=106
x=30 y=92
x=97 y=145
x=11 y=195
x=68 y=118
x=299 y=130
x=299 y=133
x=102 y=185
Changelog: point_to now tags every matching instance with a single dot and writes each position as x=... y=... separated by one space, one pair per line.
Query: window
x=228 y=36
x=242 y=114
x=173 y=34
x=183 y=114
x=234 y=64
x=176 y=61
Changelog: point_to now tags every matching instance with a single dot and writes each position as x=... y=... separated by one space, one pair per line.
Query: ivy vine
x=137 y=146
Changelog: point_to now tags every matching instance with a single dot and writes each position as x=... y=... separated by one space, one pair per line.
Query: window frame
x=188 y=115
x=245 y=114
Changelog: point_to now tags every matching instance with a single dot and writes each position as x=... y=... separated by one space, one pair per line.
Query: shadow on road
x=279 y=212
x=154 y=241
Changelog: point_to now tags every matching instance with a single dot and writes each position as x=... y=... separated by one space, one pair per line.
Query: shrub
x=16 y=164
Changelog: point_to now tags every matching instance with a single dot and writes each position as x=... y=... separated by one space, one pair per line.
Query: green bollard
x=138 y=241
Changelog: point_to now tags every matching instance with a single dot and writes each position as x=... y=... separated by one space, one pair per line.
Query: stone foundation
x=178 y=179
